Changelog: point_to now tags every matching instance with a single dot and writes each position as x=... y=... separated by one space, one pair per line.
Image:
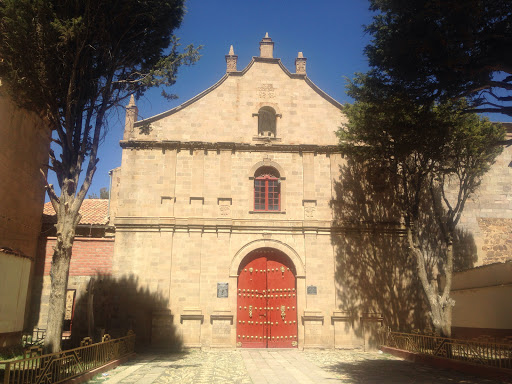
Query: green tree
x=104 y=193
x=435 y=157
x=440 y=50
x=72 y=62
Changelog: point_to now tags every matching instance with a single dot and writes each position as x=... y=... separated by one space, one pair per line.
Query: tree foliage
x=104 y=194
x=440 y=50
x=71 y=62
x=435 y=157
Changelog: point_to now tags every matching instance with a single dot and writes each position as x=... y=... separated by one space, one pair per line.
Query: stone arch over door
x=300 y=269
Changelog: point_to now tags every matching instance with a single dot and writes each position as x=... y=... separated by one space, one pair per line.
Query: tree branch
x=51 y=193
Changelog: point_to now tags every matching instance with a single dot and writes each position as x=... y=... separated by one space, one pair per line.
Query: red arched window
x=267 y=190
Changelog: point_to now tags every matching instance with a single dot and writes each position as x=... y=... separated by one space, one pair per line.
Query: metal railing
x=61 y=366
x=491 y=354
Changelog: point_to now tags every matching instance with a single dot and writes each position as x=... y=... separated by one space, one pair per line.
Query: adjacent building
x=24 y=145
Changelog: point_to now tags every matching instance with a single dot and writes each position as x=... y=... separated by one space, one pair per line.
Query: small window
x=267 y=122
x=267 y=190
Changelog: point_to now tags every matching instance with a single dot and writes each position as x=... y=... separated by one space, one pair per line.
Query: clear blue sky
x=328 y=32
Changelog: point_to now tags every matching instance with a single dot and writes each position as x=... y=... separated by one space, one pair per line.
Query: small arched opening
x=267 y=122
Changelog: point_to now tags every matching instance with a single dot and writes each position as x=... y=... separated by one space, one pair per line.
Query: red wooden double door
x=267 y=302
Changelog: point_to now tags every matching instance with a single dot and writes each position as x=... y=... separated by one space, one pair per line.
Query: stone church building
x=234 y=221
x=224 y=210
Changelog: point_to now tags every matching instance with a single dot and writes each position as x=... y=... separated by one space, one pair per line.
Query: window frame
x=267 y=178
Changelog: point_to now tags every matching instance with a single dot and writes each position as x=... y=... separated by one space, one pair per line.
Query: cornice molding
x=307 y=227
x=232 y=146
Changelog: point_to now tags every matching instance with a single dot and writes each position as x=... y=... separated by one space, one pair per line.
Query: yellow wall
x=483 y=297
x=14 y=279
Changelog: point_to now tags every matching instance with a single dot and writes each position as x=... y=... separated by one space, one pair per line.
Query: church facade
x=224 y=211
x=242 y=225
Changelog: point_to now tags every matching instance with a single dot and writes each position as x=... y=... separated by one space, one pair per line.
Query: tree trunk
x=440 y=306
x=446 y=301
x=59 y=282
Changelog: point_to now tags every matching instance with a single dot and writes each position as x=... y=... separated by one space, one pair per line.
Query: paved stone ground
x=259 y=366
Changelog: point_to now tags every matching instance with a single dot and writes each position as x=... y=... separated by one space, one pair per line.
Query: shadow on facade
x=115 y=305
x=36 y=287
x=375 y=274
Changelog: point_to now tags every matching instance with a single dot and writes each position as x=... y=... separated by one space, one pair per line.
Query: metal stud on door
x=281 y=282
x=266 y=311
x=251 y=317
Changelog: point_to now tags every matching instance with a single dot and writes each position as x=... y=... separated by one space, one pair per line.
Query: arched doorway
x=267 y=301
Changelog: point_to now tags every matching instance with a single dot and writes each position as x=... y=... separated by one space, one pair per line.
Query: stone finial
x=231 y=60
x=267 y=47
x=132 y=113
x=300 y=64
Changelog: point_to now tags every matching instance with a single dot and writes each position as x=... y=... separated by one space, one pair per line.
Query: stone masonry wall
x=497 y=245
x=225 y=114
x=488 y=213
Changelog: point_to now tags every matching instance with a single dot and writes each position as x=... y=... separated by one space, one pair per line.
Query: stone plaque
x=70 y=301
x=222 y=289
x=266 y=91
x=311 y=290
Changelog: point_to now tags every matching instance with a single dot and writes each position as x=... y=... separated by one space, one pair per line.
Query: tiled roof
x=93 y=211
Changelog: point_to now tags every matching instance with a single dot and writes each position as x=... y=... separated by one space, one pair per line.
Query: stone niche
x=222 y=328
x=313 y=321
x=162 y=329
x=191 y=320
x=372 y=324
x=344 y=333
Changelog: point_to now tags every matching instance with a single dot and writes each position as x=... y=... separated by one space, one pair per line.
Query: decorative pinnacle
x=132 y=102
x=231 y=60
x=266 y=47
x=300 y=64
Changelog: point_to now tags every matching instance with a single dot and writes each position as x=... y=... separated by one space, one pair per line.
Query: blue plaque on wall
x=311 y=290
x=222 y=289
